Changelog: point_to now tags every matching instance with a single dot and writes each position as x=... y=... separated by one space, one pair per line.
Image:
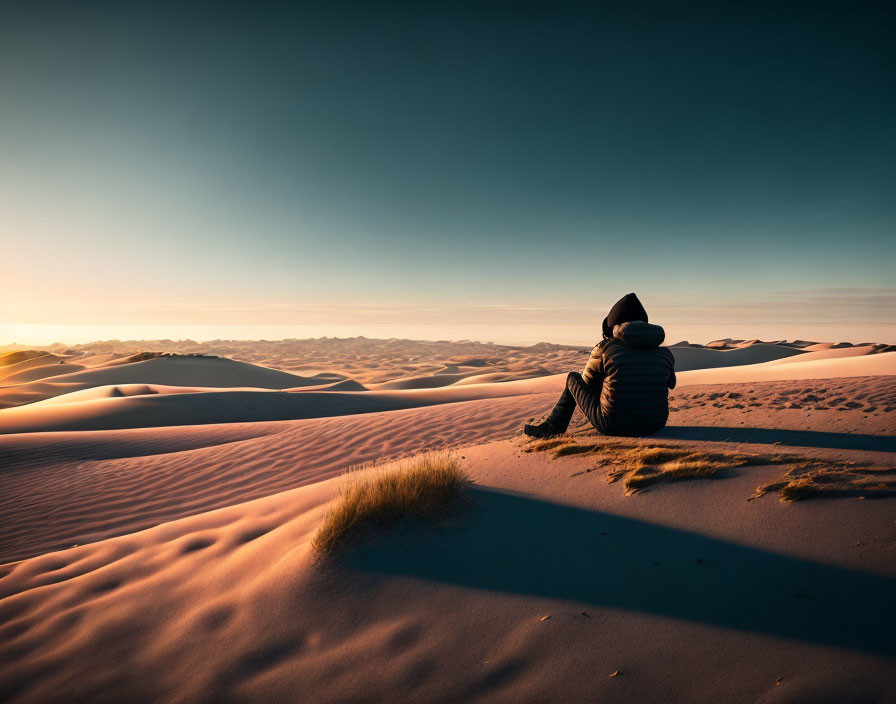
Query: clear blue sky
x=318 y=164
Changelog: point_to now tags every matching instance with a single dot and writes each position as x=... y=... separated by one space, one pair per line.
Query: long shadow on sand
x=768 y=436
x=514 y=544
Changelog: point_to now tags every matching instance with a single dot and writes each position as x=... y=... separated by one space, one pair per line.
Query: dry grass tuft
x=573 y=449
x=832 y=480
x=565 y=445
x=549 y=444
x=651 y=465
x=644 y=464
x=657 y=454
x=423 y=487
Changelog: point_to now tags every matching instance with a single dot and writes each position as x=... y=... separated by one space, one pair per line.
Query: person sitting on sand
x=624 y=388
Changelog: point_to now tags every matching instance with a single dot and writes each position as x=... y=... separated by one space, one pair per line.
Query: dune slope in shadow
x=518 y=545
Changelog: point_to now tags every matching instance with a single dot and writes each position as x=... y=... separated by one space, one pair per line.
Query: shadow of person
x=511 y=543
x=769 y=436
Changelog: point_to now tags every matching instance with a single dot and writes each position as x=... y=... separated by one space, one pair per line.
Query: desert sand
x=156 y=514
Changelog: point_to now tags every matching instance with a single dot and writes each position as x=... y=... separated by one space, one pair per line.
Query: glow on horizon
x=510 y=180
x=824 y=315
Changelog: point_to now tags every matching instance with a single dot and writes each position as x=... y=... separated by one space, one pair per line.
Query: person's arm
x=593 y=373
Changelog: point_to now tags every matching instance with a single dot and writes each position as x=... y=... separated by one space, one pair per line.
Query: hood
x=625 y=310
x=640 y=335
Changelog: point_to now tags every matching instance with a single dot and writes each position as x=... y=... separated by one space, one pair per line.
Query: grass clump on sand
x=832 y=480
x=644 y=464
x=564 y=445
x=423 y=487
x=573 y=449
x=641 y=465
x=553 y=443
x=648 y=465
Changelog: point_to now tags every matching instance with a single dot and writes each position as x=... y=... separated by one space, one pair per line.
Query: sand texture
x=157 y=512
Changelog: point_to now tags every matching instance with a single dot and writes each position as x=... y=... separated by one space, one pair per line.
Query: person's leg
x=558 y=419
x=585 y=399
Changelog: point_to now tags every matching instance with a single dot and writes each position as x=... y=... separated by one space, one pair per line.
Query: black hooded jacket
x=632 y=373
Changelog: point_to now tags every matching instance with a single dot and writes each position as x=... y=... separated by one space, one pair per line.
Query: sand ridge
x=173 y=563
x=148 y=389
x=399 y=363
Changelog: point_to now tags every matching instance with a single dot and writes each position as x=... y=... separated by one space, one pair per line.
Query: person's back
x=624 y=388
x=634 y=375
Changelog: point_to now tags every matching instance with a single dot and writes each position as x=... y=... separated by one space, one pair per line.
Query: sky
x=494 y=171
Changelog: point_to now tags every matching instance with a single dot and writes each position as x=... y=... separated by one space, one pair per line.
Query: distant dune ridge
x=159 y=502
x=358 y=362
x=151 y=388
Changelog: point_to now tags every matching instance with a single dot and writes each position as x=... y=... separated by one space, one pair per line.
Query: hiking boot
x=545 y=429
x=557 y=420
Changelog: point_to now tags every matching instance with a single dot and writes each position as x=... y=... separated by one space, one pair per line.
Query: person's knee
x=573 y=379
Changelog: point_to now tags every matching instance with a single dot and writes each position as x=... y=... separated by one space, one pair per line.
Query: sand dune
x=36 y=372
x=98 y=484
x=20 y=394
x=825 y=367
x=544 y=589
x=119 y=391
x=18 y=356
x=209 y=406
x=382 y=371
x=105 y=483
x=832 y=352
x=429 y=381
x=189 y=371
x=473 y=376
x=343 y=385
x=160 y=513
x=188 y=408
x=82 y=402
x=729 y=343
x=818 y=346
x=499 y=377
x=40 y=360
x=93 y=360
x=687 y=358
x=104 y=408
x=367 y=361
x=358 y=363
